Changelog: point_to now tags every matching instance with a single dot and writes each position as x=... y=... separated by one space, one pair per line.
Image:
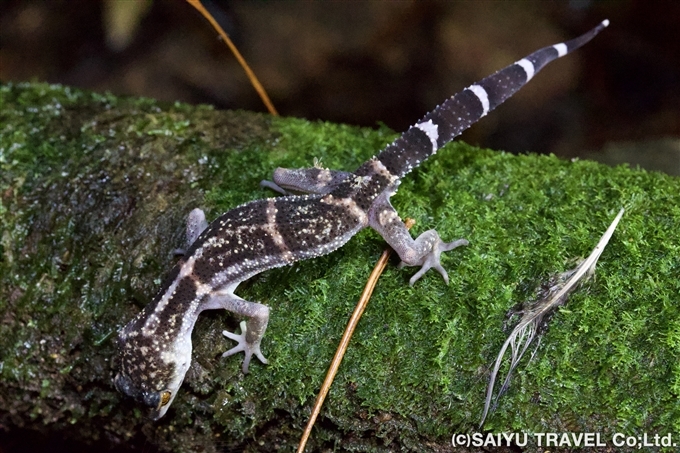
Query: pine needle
x=249 y=72
x=344 y=341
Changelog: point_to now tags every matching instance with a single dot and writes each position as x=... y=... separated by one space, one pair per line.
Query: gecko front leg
x=196 y=223
x=424 y=251
x=252 y=331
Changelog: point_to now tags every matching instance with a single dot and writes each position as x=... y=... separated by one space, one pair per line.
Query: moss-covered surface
x=94 y=191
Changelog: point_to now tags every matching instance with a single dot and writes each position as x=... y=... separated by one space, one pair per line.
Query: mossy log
x=94 y=192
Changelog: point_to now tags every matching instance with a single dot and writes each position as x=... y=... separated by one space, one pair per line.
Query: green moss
x=94 y=191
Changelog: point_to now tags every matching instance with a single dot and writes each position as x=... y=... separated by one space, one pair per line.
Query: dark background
x=364 y=62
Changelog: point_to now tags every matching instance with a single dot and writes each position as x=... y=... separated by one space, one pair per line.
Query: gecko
x=154 y=348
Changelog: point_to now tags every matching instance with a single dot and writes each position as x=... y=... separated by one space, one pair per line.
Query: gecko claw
x=243 y=346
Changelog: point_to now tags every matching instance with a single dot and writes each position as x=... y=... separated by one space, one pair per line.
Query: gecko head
x=151 y=368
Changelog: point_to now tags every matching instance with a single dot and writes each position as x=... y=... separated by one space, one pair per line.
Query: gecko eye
x=165 y=398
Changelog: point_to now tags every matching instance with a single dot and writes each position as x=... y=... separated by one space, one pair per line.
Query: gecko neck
x=175 y=309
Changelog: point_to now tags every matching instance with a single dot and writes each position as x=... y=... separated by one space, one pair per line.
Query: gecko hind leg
x=305 y=180
x=424 y=251
x=252 y=330
x=432 y=246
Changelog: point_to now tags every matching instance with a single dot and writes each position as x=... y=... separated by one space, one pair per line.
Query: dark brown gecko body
x=155 y=347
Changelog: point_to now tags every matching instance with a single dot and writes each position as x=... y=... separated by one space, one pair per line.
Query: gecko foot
x=431 y=260
x=248 y=349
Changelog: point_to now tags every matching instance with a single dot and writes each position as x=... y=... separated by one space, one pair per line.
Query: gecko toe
x=445 y=247
x=241 y=343
x=442 y=271
x=243 y=346
x=432 y=259
x=419 y=274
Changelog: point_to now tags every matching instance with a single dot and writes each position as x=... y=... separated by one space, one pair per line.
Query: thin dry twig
x=251 y=75
x=344 y=341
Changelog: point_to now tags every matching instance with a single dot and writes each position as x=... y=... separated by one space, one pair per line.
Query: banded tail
x=460 y=111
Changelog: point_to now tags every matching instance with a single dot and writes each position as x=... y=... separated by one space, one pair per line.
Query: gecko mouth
x=151 y=399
